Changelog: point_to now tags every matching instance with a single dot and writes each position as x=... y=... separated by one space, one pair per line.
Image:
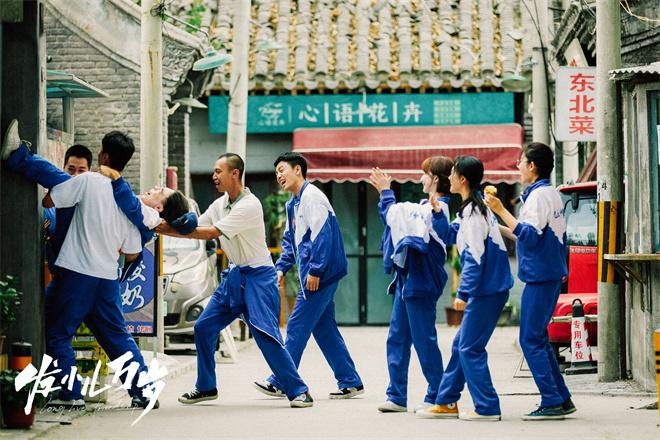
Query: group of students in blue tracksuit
x=414 y=245
x=414 y=249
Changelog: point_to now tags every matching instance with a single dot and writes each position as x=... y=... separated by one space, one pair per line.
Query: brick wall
x=95 y=116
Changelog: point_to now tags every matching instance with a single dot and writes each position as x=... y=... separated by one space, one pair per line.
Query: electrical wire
x=626 y=7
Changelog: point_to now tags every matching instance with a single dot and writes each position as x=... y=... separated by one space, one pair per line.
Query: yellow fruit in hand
x=490 y=189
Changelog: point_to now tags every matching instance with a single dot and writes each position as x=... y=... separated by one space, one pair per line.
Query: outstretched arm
x=200 y=233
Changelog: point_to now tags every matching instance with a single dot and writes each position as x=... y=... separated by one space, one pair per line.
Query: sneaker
x=423 y=406
x=474 y=416
x=347 y=393
x=303 y=401
x=568 y=407
x=11 y=142
x=142 y=402
x=60 y=404
x=269 y=389
x=390 y=406
x=196 y=396
x=546 y=413
x=448 y=411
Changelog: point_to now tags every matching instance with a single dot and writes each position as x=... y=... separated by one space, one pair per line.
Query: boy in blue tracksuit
x=413 y=247
x=313 y=241
x=483 y=291
x=541 y=235
x=85 y=285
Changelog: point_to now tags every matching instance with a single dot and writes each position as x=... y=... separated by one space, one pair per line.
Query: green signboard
x=283 y=114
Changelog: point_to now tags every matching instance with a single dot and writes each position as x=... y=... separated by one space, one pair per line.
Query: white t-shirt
x=98 y=231
x=243 y=237
x=151 y=217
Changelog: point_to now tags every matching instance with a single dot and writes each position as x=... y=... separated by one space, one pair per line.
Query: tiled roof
x=348 y=44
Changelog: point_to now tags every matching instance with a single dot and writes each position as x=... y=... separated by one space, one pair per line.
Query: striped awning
x=349 y=154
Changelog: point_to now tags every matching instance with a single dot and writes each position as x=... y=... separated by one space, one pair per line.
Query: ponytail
x=473 y=170
x=477 y=201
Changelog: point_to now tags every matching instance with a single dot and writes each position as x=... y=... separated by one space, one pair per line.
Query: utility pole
x=238 y=89
x=611 y=325
x=151 y=122
x=541 y=112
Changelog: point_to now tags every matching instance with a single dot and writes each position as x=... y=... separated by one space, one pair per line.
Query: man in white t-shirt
x=248 y=289
x=85 y=287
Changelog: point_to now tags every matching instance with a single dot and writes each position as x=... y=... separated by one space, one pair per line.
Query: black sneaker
x=303 y=401
x=198 y=396
x=568 y=407
x=546 y=413
x=269 y=389
x=347 y=393
x=142 y=402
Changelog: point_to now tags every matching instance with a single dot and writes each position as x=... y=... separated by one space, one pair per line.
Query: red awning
x=348 y=154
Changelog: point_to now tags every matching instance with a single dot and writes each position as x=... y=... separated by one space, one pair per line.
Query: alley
x=242 y=412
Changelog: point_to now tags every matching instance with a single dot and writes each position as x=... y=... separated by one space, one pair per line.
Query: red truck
x=581 y=209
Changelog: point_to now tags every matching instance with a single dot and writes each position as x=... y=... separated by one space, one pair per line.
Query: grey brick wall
x=94 y=117
x=178 y=129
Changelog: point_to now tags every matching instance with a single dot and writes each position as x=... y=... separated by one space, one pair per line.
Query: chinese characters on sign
x=580 y=342
x=138 y=292
x=285 y=113
x=575 y=112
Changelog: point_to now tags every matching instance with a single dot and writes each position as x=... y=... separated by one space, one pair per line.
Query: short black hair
x=235 y=162
x=81 y=151
x=174 y=207
x=293 y=159
x=542 y=156
x=119 y=147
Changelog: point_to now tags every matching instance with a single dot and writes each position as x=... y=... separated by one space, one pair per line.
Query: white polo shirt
x=243 y=233
x=99 y=231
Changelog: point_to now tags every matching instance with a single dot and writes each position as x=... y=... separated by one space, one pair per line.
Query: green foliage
x=195 y=15
x=10 y=300
x=10 y=396
x=275 y=214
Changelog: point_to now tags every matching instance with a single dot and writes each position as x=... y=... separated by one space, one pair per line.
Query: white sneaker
x=390 y=406
x=423 y=406
x=11 y=141
x=474 y=416
x=303 y=401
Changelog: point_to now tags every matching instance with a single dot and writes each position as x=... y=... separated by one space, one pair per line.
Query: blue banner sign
x=138 y=292
x=283 y=114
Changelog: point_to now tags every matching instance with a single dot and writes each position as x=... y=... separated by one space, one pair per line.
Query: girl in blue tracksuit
x=413 y=247
x=483 y=291
x=541 y=235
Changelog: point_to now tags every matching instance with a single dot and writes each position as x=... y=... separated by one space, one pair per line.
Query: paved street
x=241 y=412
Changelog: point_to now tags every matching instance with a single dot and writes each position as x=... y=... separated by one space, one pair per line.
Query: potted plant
x=13 y=402
x=10 y=299
x=454 y=317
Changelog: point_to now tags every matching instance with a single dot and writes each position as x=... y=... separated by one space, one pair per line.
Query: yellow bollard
x=656 y=344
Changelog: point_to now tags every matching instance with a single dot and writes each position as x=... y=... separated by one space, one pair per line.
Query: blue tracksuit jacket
x=312 y=239
x=419 y=253
x=484 y=261
x=541 y=234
